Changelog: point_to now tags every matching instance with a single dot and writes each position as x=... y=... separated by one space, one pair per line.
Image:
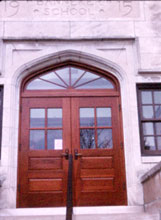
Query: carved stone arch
x=67 y=56
x=96 y=142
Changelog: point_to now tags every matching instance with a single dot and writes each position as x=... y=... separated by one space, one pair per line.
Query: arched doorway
x=71 y=109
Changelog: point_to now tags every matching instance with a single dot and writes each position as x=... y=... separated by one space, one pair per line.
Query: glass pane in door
x=37 y=118
x=87 y=139
x=54 y=140
x=103 y=116
x=37 y=139
x=104 y=137
x=54 y=117
x=86 y=117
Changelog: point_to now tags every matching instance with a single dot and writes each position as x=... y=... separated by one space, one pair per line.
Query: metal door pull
x=76 y=154
x=66 y=154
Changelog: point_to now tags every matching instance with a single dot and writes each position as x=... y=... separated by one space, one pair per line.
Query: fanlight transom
x=69 y=77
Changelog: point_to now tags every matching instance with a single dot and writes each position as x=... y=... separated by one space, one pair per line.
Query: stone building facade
x=120 y=37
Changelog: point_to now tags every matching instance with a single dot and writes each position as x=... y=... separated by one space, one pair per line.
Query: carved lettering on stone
x=69 y=10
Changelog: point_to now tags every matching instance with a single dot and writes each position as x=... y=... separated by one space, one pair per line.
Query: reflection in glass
x=37 y=139
x=146 y=97
x=149 y=143
x=158 y=128
x=100 y=83
x=157 y=97
x=158 y=111
x=103 y=116
x=87 y=139
x=148 y=111
x=54 y=140
x=87 y=77
x=38 y=84
x=75 y=74
x=87 y=117
x=104 y=138
x=55 y=117
x=148 y=128
x=64 y=74
x=159 y=143
x=53 y=78
x=37 y=118
x=69 y=77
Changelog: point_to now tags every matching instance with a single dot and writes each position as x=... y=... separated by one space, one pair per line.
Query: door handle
x=66 y=154
x=76 y=154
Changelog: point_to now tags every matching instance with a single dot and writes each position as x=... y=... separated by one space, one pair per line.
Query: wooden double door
x=86 y=127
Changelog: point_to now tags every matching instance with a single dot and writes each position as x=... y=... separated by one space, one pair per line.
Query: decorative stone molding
x=67 y=56
x=151 y=172
x=149 y=72
x=152 y=189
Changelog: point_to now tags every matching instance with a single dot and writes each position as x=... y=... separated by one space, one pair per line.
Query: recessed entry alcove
x=71 y=108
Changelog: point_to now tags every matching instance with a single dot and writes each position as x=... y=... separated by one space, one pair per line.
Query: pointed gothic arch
x=68 y=56
x=58 y=97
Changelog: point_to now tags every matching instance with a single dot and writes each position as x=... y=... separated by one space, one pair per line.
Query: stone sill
x=151 y=172
x=151 y=159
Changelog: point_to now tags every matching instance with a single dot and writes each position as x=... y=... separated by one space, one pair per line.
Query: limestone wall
x=152 y=189
x=125 y=35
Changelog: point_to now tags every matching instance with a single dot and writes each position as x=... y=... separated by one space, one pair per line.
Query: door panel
x=44 y=134
x=97 y=174
x=88 y=128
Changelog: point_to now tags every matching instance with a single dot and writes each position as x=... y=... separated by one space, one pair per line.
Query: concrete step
x=132 y=216
x=87 y=217
x=80 y=213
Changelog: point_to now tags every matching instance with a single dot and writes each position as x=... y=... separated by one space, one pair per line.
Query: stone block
x=102 y=29
x=147 y=29
x=37 y=29
x=150 y=61
x=150 y=45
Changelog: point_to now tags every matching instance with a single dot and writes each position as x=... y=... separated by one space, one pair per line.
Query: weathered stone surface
x=156 y=169
x=37 y=29
x=69 y=10
x=150 y=61
x=150 y=45
x=102 y=29
x=106 y=213
x=152 y=188
x=146 y=29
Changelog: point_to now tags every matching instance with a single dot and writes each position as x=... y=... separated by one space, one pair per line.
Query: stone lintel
x=119 y=38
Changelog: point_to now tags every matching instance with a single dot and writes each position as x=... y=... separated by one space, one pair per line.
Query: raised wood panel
x=45 y=185
x=97 y=172
x=96 y=162
x=45 y=174
x=41 y=199
x=101 y=198
x=45 y=163
x=97 y=184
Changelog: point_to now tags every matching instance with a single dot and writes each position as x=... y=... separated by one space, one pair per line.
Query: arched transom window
x=69 y=78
